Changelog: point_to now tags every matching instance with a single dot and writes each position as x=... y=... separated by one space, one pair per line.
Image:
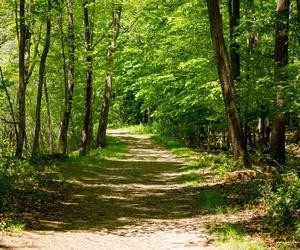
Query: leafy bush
x=14 y=175
x=297 y=232
x=283 y=199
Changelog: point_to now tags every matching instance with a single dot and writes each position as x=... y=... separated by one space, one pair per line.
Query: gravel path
x=137 y=202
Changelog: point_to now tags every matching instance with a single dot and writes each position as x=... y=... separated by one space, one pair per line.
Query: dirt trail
x=137 y=202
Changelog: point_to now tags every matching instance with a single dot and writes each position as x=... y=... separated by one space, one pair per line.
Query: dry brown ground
x=137 y=202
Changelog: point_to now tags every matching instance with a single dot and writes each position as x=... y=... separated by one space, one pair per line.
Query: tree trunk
x=35 y=149
x=262 y=129
x=70 y=80
x=50 y=131
x=234 y=18
x=22 y=84
x=225 y=74
x=87 y=127
x=100 y=139
x=277 y=143
x=297 y=134
x=12 y=113
x=63 y=52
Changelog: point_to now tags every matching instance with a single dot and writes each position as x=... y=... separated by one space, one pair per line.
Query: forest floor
x=136 y=202
x=141 y=200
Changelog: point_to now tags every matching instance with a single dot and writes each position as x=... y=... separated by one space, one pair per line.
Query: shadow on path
x=142 y=191
x=139 y=201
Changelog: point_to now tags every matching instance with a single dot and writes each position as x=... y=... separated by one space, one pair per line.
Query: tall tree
x=70 y=79
x=21 y=115
x=226 y=79
x=281 y=56
x=63 y=53
x=87 y=127
x=42 y=69
x=50 y=130
x=101 y=134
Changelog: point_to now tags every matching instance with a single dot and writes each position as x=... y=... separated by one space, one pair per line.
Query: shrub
x=283 y=198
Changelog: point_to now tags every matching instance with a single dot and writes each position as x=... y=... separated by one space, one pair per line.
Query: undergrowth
x=230 y=236
x=27 y=188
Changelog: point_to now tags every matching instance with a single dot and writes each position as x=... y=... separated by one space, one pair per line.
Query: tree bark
x=225 y=74
x=70 y=80
x=100 y=139
x=87 y=127
x=12 y=113
x=234 y=19
x=262 y=128
x=277 y=143
x=50 y=130
x=63 y=52
x=35 y=148
x=21 y=118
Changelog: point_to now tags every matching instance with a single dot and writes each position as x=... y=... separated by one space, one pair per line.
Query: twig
x=6 y=121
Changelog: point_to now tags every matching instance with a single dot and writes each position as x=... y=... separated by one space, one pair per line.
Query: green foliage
x=232 y=236
x=116 y=148
x=142 y=129
x=220 y=162
x=12 y=226
x=72 y=167
x=297 y=232
x=211 y=201
x=15 y=176
x=283 y=199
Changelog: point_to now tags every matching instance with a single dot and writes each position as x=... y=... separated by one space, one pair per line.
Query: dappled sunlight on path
x=136 y=202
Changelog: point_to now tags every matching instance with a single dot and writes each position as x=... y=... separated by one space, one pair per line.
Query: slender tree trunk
x=22 y=84
x=100 y=139
x=35 y=148
x=234 y=19
x=297 y=134
x=12 y=113
x=50 y=131
x=262 y=129
x=63 y=53
x=277 y=143
x=225 y=74
x=70 y=80
x=87 y=127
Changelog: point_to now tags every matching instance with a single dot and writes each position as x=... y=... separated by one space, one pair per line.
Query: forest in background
x=215 y=75
x=56 y=57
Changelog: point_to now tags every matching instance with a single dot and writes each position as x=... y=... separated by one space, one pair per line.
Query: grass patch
x=141 y=129
x=192 y=178
x=16 y=229
x=233 y=237
x=75 y=166
x=12 y=226
x=211 y=201
x=115 y=148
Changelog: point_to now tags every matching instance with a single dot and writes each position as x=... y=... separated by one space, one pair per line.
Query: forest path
x=136 y=202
